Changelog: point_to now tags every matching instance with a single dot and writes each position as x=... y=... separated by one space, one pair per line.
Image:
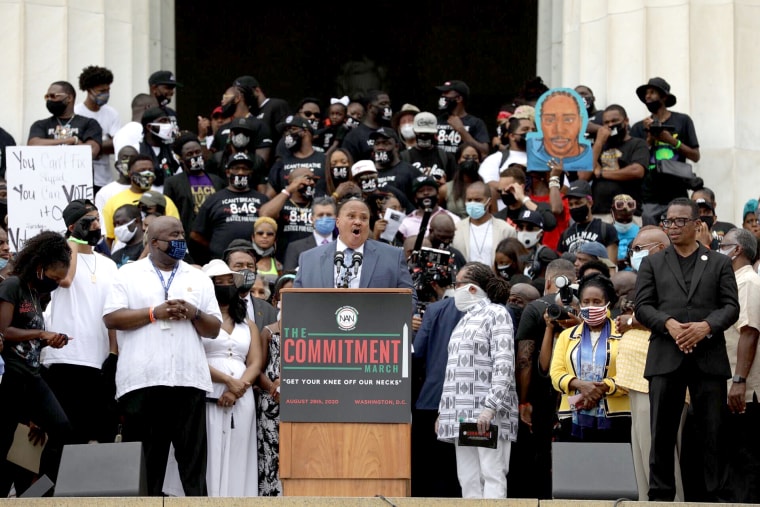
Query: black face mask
x=225 y=294
x=45 y=284
x=162 y=100
x=447 y=104
x=424 y=203
x=618 y=137
x=653 y=106
x=708 y=220
x=56 y=107
x=340 y=174
x=469 y=167
x=516 y=313
x=508 y=198
x=229 y=109
x=579 y=214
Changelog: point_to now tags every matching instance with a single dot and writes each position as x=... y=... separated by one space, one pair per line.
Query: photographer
x=433 y=272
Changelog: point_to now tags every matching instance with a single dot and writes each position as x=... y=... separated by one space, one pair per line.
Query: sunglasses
x=264 y=233
x=309 y=114
x=639 y=248
x=624 y=205
x=53 y=96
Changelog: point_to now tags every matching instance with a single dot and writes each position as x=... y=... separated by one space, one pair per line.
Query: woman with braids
x=480 y=381
x=24 y=395
x=583 y=369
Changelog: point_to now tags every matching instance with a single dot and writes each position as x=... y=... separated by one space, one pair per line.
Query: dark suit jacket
x=294 y=251
x=661 y=295
x=383 y=266
x=177 y=188
x=264 y=313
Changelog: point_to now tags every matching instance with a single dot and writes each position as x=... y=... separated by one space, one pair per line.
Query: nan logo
x=346 y=317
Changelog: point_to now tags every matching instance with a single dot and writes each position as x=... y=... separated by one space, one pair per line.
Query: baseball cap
x=153 y=114
x=579 y=188
x=424 y=181
x=163 y=77
x=704 y=203
x=382 y=132
x=76 y=209
x=425 y=123
x=242 y=124
x=458 y=86
x=295 y=121
x=531 y=217
x=239 y=158
x=247 y=81
x=593 y=248
x=363 y=166
x=216 y=112
x=153 y=199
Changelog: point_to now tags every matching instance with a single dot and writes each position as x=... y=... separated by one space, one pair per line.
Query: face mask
x=469 y=167
x=164 y=131
x=384 y=114
x=520 y=142
x=324 y=225
x=369 y=185
x=163 y=101
x=240 y=140
x=177 y=249
x=195 y=164
x=307 y=191
x=382 y=158
x=228 y=109
x=653 y=106
x=709 y=221
x=637 y=257
x=617 y=135
x=239 y=182
x=56 y=107
x=623 y=228
x=407 y=131
x=93 y=237
x=122 y=166
x=464 y=299
x=314 y=124
x=3 y=262
x=292 y=141
x=44 y=284
x=447 y=104
x=594 y=315
x=351 y=123
x=727 y=252
x=475 y=210
x=263 y=253
x=504 y=270
x=249 y=278
x=508 y=198
x=339 y=174
x=123 y=233
x=425 y=141
x=528 y=238
x=225 y=294
x=579 y=214
x=101 y=99
x=144 y=180
x=425 y=203
x=516 y=313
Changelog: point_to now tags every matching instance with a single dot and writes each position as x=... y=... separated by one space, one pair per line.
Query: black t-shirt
x=531 y=329
x=550 y=221
x=228 y=215
x=400 y=176
x=217 y=164
x=663 y=188
x=165 y=162
x=86 y=129
x=596 y=230
x=261 y=137
x=435 y=162
x=286 y=165
x=687 y=265
x=293 y=223
x=22 y=357
x=5 y=140
x=273 y=112
x=282 y=152
x=449 y=139
x=358 y=143
x=633 y=151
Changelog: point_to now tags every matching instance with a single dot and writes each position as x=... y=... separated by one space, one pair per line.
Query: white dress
x=232 y=468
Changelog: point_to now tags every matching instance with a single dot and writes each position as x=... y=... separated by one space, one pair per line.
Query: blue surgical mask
x=623 y=228
x=3 y=262
x=475 y=210
x=324 y=225
x=637 y=257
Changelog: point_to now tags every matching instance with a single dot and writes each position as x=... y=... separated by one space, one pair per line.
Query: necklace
x=479 y=248
x=64 y=129
x=92 y=269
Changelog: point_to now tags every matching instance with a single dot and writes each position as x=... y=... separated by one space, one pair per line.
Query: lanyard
x=166 y=285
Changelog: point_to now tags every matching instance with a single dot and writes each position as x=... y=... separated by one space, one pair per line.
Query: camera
x=557 y=312
x=566 y=289
x=431 y=266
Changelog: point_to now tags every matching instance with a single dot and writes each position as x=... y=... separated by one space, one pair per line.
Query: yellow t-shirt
x=129 y=197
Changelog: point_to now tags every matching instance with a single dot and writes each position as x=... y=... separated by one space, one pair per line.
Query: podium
x=345 y=401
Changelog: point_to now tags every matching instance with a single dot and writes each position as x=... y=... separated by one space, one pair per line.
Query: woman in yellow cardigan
x=593 y=407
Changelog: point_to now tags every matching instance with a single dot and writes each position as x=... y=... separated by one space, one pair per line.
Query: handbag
x=675 y=168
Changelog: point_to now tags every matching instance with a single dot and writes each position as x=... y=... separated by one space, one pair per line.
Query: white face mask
x=164 y=131
x=637 y=257
x=727 y=252
x=464 y=299
x=407 y=131
x=528 y=238
x=123 y=233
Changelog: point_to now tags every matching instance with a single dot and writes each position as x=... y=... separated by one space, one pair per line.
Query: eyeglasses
x=623 y=205
x=309 y=114
x=639 y=248
x=678 y=222
x=53 y=96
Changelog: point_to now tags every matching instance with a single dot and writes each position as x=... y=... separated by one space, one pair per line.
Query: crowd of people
x=604 y=304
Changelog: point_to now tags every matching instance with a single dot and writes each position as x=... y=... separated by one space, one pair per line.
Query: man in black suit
x=687 y=295
x=323 y=213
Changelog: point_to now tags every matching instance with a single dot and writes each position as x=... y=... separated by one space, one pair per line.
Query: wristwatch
x=738 y=379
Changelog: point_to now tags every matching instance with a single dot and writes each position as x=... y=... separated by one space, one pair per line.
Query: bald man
x=522 y=293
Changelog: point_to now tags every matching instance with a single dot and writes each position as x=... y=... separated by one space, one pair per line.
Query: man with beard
x=270 y=110
x=455 y=125
x=513 y=140
x=158 y=136
x=292 y=210
x=190 y=188
x=162 y=84
x=425 y=192
x=670 y=136
x=619 y=162
x=230 y=212
x=298 y=137
x=379 y=114
x=425 y=155
x=391 y=170
x=236 y=104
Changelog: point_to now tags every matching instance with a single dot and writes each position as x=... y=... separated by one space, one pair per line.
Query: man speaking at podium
x=352 y=261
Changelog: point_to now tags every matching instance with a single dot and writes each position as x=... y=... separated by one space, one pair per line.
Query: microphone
x=338 y=261
x=356 y=261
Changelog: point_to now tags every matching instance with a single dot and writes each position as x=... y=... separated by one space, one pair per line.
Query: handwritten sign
x=42 y=181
